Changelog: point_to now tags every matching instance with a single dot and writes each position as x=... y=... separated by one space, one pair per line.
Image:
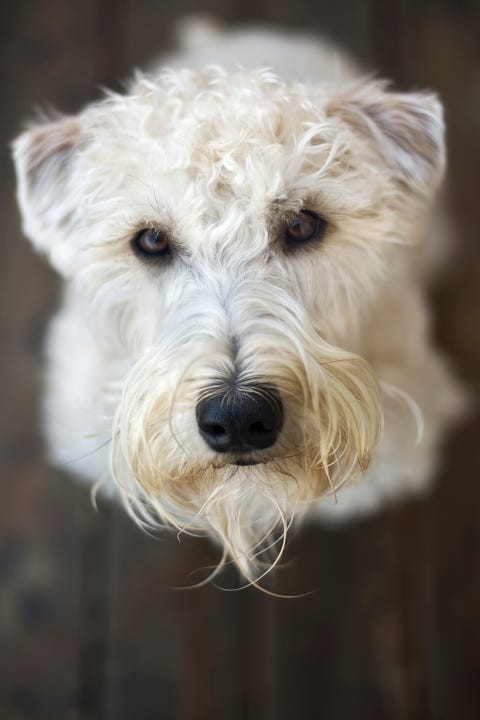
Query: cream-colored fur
x=217 y=156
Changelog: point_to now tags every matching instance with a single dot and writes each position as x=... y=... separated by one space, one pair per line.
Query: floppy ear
x=407 y=129
x=47 y=165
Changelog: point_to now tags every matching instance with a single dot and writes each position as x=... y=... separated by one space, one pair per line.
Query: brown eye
x=151 y=242
x=305 y=227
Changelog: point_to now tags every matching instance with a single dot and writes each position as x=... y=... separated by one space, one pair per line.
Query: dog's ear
x=47 y=165
x=407 y=128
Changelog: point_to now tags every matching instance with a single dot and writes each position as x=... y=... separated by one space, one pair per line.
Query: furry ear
x=47 y=166
x=407 y=129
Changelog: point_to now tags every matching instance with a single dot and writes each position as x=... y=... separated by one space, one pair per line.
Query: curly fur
x=217 y=156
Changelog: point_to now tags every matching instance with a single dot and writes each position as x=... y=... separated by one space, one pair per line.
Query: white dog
x=243 y=327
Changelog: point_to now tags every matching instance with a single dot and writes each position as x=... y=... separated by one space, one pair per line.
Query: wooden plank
x=338 y=649
x=448 y=59
x=47 y=60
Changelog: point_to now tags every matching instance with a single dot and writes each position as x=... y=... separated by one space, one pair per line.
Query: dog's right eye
x=151 y=243
x=303 y=228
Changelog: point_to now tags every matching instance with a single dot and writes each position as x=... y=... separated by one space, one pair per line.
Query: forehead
x=243 y=133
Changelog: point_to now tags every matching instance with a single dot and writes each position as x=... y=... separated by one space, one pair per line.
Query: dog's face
x=231 y=234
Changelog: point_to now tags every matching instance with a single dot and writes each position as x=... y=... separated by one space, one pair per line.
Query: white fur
x=216 y=156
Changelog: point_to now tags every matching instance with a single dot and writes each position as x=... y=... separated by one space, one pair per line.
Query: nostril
x=257 y=428
x=214 y=430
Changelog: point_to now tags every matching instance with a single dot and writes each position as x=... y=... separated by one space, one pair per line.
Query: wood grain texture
x=91 y=625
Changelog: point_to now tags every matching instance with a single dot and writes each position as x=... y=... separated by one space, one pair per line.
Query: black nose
x=237 y=421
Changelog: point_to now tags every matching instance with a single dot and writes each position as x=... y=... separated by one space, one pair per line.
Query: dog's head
x=230 y=235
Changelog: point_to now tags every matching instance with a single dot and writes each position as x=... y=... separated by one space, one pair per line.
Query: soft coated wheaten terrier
x=243 y=336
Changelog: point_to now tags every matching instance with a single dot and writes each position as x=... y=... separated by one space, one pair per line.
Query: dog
x=245 y=239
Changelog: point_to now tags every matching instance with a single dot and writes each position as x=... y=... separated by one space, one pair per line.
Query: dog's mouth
x=244 y=462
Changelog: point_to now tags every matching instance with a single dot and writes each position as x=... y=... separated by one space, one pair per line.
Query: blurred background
x=90 y=623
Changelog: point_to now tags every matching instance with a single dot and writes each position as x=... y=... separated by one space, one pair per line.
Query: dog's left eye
x=305 y=227
x=151 y=242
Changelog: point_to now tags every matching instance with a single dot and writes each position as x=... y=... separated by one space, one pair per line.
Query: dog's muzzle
x=239 y=421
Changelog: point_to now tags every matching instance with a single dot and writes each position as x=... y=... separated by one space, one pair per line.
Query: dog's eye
x=151 y=242
x=305 y=227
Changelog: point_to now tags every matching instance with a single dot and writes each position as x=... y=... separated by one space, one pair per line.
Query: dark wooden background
x=90 y=625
